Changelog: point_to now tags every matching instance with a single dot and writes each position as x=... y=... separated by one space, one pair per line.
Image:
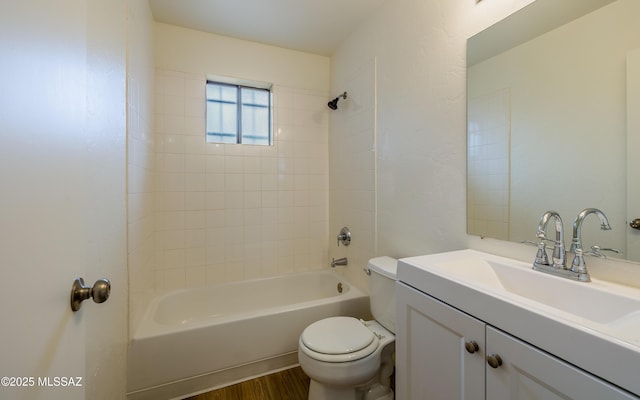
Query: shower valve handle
x=344 y=236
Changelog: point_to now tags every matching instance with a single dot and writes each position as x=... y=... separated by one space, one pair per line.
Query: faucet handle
x=541 y=256
x=578 y=265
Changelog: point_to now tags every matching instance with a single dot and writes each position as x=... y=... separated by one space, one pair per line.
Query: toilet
x=347 y=358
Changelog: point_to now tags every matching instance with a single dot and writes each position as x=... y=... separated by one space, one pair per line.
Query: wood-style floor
x=290 y=384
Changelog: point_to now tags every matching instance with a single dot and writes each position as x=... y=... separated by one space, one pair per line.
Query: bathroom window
x=238 y=114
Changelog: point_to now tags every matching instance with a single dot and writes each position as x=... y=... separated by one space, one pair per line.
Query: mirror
x=547 y=121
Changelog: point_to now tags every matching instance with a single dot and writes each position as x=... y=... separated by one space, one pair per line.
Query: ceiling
x=314 y=26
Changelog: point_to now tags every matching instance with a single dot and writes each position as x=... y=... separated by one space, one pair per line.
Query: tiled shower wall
x=228 y=212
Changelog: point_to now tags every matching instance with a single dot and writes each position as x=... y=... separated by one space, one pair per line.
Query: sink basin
x=585 y=300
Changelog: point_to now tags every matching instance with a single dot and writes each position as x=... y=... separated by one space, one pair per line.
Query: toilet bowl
x=347 y=358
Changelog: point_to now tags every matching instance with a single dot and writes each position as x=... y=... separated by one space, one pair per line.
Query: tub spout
x=339 y=261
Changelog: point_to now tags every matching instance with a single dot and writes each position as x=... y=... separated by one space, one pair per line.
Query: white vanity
x=473 y=325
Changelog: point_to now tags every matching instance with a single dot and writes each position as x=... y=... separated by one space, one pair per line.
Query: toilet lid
x=337 y=335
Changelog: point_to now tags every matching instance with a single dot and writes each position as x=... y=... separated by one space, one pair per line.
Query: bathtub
x=193 y=340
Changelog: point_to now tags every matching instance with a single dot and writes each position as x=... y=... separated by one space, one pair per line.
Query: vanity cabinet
x=444 y=354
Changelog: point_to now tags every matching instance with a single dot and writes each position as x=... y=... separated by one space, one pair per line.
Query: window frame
x=239 y=86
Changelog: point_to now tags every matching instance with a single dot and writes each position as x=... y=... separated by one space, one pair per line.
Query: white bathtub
x=196 y=339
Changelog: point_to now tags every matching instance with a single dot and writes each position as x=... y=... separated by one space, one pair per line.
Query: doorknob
x=635 y=224
x=79 y=292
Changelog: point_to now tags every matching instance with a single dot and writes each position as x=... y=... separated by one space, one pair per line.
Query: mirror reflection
x=548 y=121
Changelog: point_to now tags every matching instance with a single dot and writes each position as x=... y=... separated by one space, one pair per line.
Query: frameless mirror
x=547 y=101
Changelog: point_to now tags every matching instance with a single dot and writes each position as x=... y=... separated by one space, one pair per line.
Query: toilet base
x=379 y=392
x=318 y=391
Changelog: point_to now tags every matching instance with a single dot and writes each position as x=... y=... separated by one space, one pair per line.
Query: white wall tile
x=196 y=276
x=195 y=201
x=221 y=206
x=195 y=163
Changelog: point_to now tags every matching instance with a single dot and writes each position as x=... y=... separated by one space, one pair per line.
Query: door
x=527 y=373
x=633 y=158
x=432 y=359
x=62 y=197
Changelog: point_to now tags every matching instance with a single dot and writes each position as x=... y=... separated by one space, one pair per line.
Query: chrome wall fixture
x=333 y=104
x=344 y=236
x=339 y=261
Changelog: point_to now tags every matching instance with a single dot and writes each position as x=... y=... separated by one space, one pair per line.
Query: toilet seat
x=338 y=339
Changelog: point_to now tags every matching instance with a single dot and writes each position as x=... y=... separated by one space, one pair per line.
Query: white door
x=62 y=197
x=432 y=360
x=633 y=159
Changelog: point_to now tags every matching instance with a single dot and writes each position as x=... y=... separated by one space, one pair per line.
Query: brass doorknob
x=79 y=292
x=635 y=224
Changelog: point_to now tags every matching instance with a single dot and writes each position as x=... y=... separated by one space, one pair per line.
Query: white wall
x=141 y=156
x=420 y=117
x=186 y=50
x=229 y=212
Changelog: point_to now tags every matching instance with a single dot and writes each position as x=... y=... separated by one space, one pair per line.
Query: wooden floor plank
x=290 y=384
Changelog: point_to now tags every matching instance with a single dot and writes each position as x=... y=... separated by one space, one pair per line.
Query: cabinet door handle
x=494 y=360
x=471 y=346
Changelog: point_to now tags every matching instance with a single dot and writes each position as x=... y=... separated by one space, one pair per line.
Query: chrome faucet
x=559 y=252
x=339 y=261
x=577 y=270
x=559 y=265
x=578 y=265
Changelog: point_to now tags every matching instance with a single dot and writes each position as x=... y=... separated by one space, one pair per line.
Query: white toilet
x=347 y=358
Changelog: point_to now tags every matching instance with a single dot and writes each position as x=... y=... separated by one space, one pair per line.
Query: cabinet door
x=432 y=362
x=528 y=373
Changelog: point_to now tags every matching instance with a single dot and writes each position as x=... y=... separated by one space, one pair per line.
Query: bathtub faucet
x=339 y=261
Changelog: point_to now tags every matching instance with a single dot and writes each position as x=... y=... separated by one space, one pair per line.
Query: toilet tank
x=382 y=288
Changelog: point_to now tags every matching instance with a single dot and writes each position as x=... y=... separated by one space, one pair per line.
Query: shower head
x=333 y=104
